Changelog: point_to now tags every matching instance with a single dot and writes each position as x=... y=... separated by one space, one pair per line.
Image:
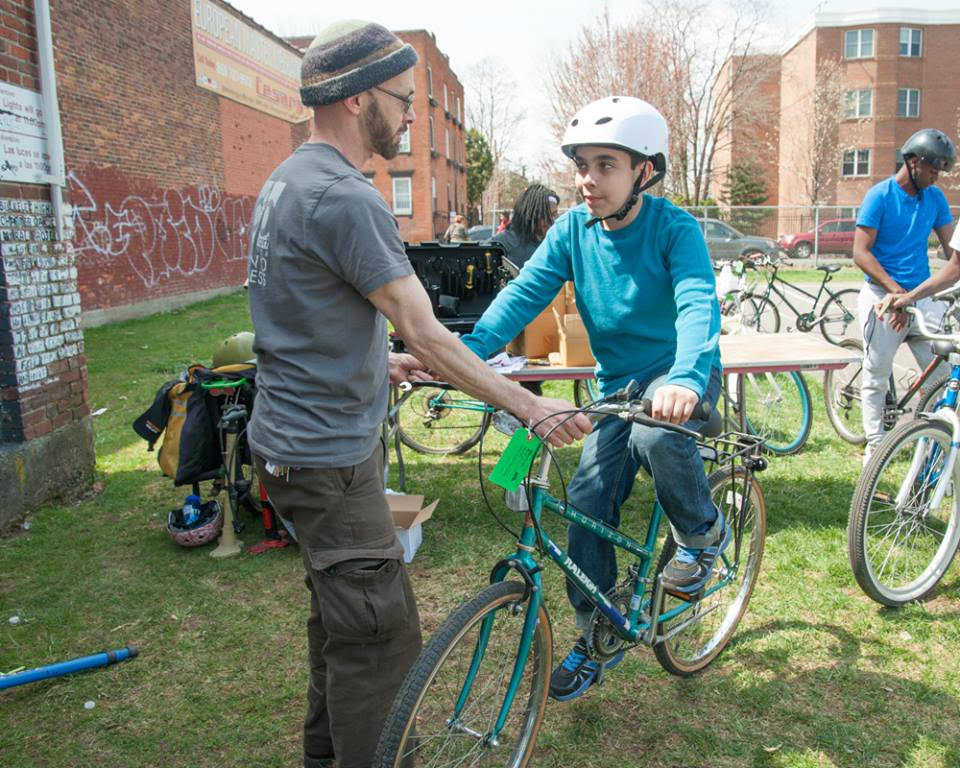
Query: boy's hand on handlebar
x=891 y=307
x=674 y=403
x=569 y=429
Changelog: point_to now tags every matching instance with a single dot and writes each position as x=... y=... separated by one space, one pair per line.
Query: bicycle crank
x=806 y=322
x=603 y=643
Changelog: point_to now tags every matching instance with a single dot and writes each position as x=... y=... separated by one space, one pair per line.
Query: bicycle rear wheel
x=899 y=546
x=423 y=728
x=585 y=391
x=839 y=315
x=841 y=394
x=779 y=410
x=689 y=647
x=441 y=421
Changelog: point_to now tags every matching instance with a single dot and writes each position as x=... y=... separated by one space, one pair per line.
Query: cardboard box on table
x=547 y=337
x=409 y=514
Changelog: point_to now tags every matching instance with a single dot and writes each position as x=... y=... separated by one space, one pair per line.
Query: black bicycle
x=834 y=316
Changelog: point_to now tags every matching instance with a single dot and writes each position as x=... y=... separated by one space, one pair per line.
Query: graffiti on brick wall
x=164 y=235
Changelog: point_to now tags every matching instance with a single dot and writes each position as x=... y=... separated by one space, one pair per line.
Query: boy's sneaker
x=690 y=569
x=577 y=672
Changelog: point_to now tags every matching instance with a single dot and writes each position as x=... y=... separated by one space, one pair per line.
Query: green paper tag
x=515 y=460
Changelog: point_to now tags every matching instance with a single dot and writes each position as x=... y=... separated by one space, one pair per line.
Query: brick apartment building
x=898 y=72
x=427 y=182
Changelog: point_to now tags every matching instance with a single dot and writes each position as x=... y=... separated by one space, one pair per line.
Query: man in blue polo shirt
x=890 y=246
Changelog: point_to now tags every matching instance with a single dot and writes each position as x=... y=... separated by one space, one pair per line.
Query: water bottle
x=191 y=510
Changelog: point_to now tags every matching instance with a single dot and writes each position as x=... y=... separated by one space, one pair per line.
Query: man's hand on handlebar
x=569 y=429
x=891 y=306
x=674 y=403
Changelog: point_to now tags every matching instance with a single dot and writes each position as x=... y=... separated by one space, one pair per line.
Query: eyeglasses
x=407 y=100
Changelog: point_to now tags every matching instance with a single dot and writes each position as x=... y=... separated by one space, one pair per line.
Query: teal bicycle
x=477 y=693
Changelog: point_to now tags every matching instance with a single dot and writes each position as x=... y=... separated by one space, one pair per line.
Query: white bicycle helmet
x=621 y=122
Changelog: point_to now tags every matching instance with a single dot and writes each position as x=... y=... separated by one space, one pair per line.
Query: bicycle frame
x=773 y=287
x=637 y=625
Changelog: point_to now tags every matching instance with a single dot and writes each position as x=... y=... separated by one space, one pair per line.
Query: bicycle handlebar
x=925 y=330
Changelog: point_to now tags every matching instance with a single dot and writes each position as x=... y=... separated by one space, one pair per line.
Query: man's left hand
x=674 y=403
x=404 y=367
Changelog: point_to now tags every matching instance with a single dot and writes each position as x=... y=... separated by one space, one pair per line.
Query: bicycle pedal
x=690 y=597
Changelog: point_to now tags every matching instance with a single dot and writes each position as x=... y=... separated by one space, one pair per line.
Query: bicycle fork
x=922 y=462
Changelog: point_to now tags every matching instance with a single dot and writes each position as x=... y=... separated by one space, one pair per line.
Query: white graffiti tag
x=172 y=233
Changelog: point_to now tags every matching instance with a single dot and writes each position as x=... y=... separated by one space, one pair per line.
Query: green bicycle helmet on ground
x=235 y=350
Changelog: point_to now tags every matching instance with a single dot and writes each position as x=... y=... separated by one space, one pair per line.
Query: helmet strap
x=638 y=187
x=913 y=180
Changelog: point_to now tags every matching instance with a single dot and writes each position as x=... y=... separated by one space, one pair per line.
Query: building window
x=908 y=102
x=459 y=111
x=433 y=193
x=446 y=99
x=429 y=81
x=449 y=199
x=859 y=103
x=910 y=40
x=405 y=142
x=446 y=140
x=430 y=126
x=856 y=162
x=402 y=196
x=858 y=43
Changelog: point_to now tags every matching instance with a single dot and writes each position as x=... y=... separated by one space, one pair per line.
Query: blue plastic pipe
x=67 y=667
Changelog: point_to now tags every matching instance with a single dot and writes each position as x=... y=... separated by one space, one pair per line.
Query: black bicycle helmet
x=933 y=146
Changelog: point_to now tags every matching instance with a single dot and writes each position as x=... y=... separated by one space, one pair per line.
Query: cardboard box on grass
x=409 y=514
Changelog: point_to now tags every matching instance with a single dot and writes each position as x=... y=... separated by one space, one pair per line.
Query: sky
x=521 y=35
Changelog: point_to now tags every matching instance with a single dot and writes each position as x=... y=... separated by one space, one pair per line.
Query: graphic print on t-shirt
x=260 y=233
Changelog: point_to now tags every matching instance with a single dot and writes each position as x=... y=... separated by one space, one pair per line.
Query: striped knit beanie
x=350 y=57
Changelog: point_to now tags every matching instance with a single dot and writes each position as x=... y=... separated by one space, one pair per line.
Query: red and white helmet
x=204 y=530
x=621 y=122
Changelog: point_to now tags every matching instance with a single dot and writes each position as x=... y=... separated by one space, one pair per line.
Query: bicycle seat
x=713 y=426
x=829 y=268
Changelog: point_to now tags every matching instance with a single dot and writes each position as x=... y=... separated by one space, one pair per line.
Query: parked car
x=480 y=232
x=834 y=236
x=724 y=242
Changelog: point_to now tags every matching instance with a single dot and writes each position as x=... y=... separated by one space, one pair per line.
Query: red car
x=835 y=236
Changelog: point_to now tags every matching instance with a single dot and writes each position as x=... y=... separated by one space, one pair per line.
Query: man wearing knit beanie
x=327 y=267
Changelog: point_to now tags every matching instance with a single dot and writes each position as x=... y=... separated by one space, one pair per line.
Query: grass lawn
x=816 y=676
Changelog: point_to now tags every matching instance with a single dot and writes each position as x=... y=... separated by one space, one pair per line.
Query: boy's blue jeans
x=612 y=455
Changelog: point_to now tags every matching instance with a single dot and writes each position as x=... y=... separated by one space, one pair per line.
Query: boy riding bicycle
x=646 y=292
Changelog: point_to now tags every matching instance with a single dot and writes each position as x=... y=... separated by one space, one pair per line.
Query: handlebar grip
x=701 y=410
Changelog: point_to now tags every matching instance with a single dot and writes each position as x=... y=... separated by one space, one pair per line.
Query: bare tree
x=816 y=153
x=690 y=65
x=493 y=110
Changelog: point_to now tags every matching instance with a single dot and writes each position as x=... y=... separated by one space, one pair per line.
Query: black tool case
x=461 y=279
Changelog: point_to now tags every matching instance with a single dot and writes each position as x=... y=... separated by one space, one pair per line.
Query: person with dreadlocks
x=533 y=213
x=890 y=246
x=645 y=289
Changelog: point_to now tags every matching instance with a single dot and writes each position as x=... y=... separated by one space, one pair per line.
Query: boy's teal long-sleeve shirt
x=646 y=293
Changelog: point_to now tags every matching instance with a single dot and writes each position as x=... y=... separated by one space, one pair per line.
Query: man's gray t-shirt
x=322 y=239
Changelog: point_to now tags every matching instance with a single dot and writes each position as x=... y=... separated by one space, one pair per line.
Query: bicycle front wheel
x=779 y=410
x=760 y=314
x=441 y=421
x=899 y=544
x=839 y=315
x=694 y=638
x=841 y=394
x=471 y=658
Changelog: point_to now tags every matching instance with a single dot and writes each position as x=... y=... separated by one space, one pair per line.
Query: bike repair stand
x=275 y=538
x=230 y=423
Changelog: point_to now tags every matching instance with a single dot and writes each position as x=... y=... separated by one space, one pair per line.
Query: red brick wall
x=18 y=45
x=162 y=174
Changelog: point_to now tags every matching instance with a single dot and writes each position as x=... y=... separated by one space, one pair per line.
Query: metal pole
x=51 y=110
